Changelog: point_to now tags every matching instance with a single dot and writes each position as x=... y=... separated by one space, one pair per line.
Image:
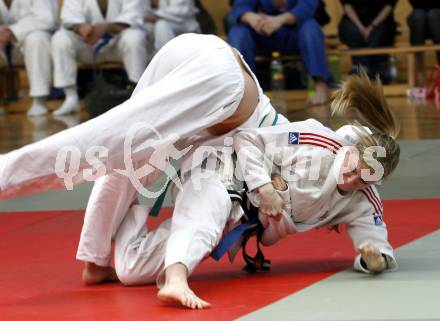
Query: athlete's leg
x=202 y=90
x=171 y=252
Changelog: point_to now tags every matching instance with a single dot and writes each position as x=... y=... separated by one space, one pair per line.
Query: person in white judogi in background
x=166 y=19
x=84 y=22
x=27 y=25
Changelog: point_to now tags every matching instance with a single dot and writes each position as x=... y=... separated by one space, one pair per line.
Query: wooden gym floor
x=419 y=120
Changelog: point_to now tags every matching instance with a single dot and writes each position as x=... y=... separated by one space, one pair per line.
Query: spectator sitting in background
x=25 y=31
x=321 y=15
x=263 y=26
x=166 y=19
x=369 y=24
x=84 y=24
x=424 y=23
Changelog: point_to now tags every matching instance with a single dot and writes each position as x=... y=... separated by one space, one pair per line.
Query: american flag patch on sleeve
x=378 y=219
x=293 y=138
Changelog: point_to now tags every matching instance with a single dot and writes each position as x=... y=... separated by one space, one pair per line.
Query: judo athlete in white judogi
x=84 y=23
x=193 y=91
x=312 y=203
x=143 y=256
x=309 y=157
x=166 y=19
x=27 y=25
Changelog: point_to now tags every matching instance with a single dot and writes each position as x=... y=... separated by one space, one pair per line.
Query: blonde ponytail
x=362 y=102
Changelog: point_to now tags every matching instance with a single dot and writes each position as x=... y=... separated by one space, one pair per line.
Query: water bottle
x=334 y=67
x=277 y=84
x=393 y=69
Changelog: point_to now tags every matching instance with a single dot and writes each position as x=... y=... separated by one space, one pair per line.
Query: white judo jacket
x=130 y=12
x=305 y=155
x=25 y=16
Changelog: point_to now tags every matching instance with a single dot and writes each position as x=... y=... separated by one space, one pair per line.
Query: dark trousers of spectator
x=382 y=36
x=307 y=39
x=424 y=25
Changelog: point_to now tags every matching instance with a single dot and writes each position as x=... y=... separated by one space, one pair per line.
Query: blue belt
x=232 y=237
x=101 y=44
x=249 y=228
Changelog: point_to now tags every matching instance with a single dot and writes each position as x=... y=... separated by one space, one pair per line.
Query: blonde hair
x=362 y=102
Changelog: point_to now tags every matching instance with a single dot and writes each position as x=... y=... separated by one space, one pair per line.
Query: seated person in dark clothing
x=369 y=24
x=263 y=26
x=424 y=23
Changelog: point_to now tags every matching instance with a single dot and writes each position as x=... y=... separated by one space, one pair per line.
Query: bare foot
x=95 y=274
x=180 y=293
x=321 y=94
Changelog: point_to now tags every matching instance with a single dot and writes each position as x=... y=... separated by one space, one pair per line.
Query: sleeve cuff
x=358 y=266
x=257 y=182
x=390 y=261
x=19 y=36
x=285 y=195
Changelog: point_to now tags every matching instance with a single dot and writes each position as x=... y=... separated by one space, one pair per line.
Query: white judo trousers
x=162 y=31
x=202 y=210
x=31 y=22
x=196 y=227
x=197 y=79
x=35 y=52
x=176 y=17
x=68 y=48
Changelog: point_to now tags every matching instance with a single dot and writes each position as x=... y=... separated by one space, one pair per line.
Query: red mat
x=40 y=279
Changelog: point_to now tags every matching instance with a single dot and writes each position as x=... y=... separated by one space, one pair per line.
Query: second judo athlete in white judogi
x=28 y=25
x=166 y=19
x=305 y=153
x=327 y=183
x=84 y=22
